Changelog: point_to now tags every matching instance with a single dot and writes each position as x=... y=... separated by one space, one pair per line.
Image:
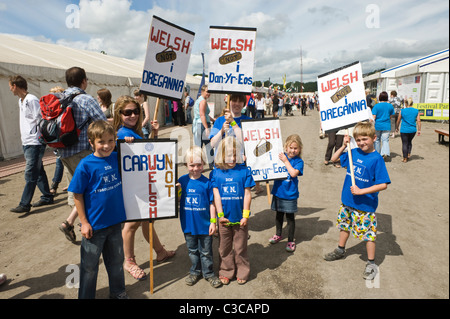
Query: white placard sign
x=231 y=60
x=342 y=97
x=166 y=63
x=263 y=144
x=149 y=175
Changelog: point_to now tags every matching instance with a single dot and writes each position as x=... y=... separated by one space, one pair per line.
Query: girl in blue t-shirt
x=410 y=119
x=285 y=192
x=231 y=183
x=128 y=123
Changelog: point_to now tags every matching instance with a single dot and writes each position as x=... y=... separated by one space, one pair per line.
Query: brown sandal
x=135 y=270
x=167 y=255
x=67 y=229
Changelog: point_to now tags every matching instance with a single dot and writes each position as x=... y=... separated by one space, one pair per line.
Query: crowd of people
x=217 y=144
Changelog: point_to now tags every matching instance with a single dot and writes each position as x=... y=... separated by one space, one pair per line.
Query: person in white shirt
x=33 y=150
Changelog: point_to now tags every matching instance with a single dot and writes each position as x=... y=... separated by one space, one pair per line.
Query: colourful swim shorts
x=362 y=225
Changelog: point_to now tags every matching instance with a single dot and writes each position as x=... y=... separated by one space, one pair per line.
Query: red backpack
x=57 y=126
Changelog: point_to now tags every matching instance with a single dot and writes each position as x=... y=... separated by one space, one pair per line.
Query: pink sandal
x=135 y=270
x=290 y=247
x=275 y=239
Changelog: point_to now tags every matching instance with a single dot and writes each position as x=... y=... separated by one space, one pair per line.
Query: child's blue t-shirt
x=231 y=184
x=383 y=112
x=196 y=197
x=98 y=179
x=127 y=132
x=288 y=188
x=370 y=170
x=409 y=117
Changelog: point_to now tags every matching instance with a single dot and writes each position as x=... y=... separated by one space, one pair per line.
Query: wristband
x=246 y=213
x=213 y=220
x=233 y=123
x=220 y=215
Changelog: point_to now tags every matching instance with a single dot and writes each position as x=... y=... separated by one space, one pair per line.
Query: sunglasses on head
x=129 y=112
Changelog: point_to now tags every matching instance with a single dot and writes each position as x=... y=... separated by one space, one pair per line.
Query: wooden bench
x=441 y=134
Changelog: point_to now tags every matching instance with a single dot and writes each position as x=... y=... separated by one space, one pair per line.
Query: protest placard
x=149 y=174
x=262 y=144
x=232 y=54
x=167 y=59
x=342 y=97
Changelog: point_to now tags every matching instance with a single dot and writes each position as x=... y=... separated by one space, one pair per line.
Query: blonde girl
x=231 y=182
x=285 y=192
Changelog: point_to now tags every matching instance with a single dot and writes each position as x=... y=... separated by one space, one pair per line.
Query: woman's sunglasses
x=129 y=112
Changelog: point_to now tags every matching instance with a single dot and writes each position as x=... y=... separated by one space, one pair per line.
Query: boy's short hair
x=229 y=142
x=193 y=154
x=238 y=97
x=98 y=128
x=364 y=129
x=18 y=81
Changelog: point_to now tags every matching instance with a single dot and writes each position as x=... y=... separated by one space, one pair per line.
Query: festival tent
x=43 y=65
x=425 y=80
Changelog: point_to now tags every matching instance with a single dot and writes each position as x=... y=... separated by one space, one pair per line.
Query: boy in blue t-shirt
x=198 y=218
x=97 y=189
x=359 y=202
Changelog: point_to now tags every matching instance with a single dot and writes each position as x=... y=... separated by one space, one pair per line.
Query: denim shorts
x=284 y=205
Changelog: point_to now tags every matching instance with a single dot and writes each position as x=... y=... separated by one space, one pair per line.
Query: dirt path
x=412 y=247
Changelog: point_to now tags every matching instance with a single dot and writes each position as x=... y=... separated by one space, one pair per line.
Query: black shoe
x=20 y=209
x=42 y=202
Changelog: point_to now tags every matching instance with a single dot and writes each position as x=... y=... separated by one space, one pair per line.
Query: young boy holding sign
x=360 y=201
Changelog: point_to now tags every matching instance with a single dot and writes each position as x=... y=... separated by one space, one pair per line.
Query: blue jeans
x=201 y=254
x=59 y=171
x=383 y=138
x=34 y=175
x=107 y=242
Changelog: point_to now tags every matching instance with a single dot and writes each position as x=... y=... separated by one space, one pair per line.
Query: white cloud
x=331 y=34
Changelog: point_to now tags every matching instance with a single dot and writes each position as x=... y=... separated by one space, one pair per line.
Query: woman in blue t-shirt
x=128 y=123
x=382 y=112
x=410 y=119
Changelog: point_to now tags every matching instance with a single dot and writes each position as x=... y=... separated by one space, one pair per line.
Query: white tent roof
x=43 y=65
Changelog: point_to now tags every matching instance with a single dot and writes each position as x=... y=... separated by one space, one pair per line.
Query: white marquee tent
x=43 y=65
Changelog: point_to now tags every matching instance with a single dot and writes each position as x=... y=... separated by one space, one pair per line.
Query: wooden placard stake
x=155 y=117
x=150 y=234
x=350 y=159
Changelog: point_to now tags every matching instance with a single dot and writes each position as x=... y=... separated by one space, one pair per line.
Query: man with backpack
x=85 y=111
x=33 y=150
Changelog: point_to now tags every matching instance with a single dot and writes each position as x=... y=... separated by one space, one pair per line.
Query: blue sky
x=331 y=34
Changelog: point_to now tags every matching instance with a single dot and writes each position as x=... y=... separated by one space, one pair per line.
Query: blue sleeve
x=80 y=180
x=381 y=173
x=299 y=166
x=249 y=181
x=217 y=127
